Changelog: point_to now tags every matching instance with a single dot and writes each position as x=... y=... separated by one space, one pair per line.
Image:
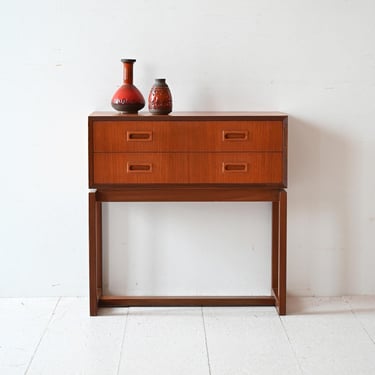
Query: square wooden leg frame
x=278 y=198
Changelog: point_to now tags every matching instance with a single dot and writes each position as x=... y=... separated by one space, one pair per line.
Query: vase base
x=128 y=108
x=159 y=112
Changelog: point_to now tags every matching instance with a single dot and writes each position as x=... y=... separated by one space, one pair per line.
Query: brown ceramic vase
x=160 y=98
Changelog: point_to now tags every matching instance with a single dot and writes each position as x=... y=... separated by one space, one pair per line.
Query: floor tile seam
x=43 y=335
x=206 y=341
x=123 y=341
x=291 y=345
x=358 y=320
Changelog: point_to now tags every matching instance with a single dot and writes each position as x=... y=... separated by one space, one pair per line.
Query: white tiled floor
x=318 y=336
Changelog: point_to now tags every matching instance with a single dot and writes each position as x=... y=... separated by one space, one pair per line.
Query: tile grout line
x=358 y=320
x=291 y=345
x=42 y=336
x=123 y=341
x=206 y=342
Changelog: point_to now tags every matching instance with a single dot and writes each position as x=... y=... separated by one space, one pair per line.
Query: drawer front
x=187 y=136
x=154 y=168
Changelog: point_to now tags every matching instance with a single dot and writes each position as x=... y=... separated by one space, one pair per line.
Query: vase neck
x=128 y=71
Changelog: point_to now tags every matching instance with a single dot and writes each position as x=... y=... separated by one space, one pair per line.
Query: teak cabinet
x=221 y=156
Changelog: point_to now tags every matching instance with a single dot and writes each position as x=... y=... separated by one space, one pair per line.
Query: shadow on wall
x=321 y=201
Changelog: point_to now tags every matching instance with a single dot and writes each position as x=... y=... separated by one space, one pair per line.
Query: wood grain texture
x=188 y=193
x=185 y=136
x=93 y=265
x=124 y=301
x=185 y=168
x=190 y=116
x=282 y=253
x=188 y=148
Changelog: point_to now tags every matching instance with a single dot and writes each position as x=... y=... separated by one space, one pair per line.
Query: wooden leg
x=282 y=252
x=99 y=248
x=279 y=252
x=93 y=274
x=275 y=248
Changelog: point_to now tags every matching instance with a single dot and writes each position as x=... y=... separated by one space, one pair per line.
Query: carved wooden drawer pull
x=235 y=135
x=234 y=167
x=138 y=136
x=138 y=167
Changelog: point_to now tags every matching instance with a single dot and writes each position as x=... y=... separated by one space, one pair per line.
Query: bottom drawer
x=149 y=168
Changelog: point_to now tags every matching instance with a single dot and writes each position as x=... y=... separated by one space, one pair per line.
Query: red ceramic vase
x=128 y=98
x=160 y=98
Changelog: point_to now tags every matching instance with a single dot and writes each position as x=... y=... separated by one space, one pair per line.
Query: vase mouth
x=160 y=79
x=128 y=60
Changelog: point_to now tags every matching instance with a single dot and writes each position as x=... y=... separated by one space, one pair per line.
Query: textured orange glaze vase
x=160 y=98
x=128 y=98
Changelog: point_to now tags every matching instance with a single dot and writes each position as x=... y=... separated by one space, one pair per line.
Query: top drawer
x=187 y=136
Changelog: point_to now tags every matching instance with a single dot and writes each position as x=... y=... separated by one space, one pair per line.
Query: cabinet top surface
x=176 y=116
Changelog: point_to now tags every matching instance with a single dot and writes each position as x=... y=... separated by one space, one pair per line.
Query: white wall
x=313 y=59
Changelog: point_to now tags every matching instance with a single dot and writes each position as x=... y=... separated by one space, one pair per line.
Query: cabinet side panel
x=90 y=152
x=285 y=152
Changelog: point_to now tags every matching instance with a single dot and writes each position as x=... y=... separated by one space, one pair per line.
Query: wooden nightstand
x=219 y=156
